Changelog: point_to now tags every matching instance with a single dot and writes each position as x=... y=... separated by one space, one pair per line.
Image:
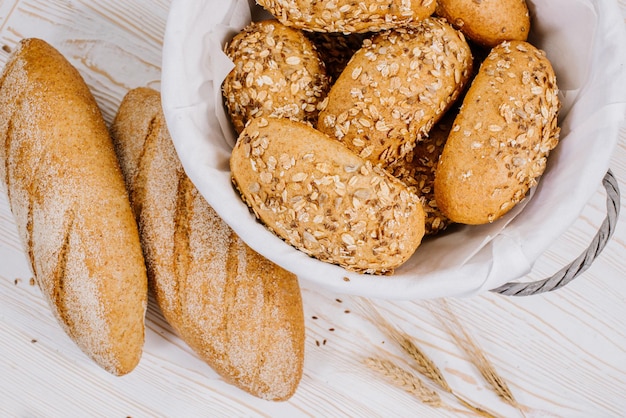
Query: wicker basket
x=584 y=260
x=194 y=66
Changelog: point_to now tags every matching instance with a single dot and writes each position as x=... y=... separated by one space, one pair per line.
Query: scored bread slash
x=323 y=199
x=501 y=138
x=277 y=72
x=348 y=16
x=395 y=88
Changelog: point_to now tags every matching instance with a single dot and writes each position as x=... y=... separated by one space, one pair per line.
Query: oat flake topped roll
x=70 y=205
x=277 y=72
x=501 y=138
x=395 y=88
x=323 y=199
x=349 y=16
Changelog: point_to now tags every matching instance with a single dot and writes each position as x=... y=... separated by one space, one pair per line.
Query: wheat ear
x=454 y=327
x=422 y=363
x=406 y=380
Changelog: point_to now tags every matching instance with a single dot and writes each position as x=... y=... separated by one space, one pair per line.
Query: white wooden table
x=562 y=353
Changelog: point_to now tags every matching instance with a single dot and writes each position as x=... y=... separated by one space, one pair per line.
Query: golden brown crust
x=348 y=16
x=501 y=137
x=238 y=311
x=487 y=22
x=277 y=72
x=68 y=196
x=323 y=199
x=395 y=88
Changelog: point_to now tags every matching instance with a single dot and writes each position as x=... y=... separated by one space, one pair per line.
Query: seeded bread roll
x=324 y=200
x=71 y=207
x=502 y=136
x=487 y=22
x=277 y=72
x=238 y=311
x=395 y=89
x=348 y=16
x=417 y=170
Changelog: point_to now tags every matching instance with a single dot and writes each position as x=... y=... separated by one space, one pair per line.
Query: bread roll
x=349 y=16
x=323 y=199
x=277 y=72
x=238 y=311
x=487 y=22
x=395 y=88
x=71 y=207
x=502 y=136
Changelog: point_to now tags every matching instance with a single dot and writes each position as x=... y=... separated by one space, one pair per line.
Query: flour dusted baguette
x=72 y=210
x=241 y=313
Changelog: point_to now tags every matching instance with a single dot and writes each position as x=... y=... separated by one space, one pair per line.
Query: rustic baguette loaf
x=71 y=207
x=238 y=311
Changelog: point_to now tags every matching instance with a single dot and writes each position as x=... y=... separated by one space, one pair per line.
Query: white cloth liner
x=584 y=39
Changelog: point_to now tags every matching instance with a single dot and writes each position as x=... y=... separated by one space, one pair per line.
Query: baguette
x=67 y=194
x=238 y=311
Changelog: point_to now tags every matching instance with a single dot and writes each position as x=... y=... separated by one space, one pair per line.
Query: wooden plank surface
x=562 y=354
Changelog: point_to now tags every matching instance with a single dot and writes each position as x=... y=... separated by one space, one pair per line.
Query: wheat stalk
x=415 y=386
x=406 y=380
x=476 y=354
x=423 y=364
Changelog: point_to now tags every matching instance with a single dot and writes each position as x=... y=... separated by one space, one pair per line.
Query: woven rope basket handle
x=584 y=261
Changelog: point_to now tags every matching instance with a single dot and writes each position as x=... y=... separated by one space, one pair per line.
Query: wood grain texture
x=562 y=353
